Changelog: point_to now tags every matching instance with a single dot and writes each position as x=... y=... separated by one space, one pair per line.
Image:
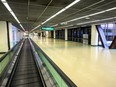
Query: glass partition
x=109 y=30
x=5 y=59
x=54 y=73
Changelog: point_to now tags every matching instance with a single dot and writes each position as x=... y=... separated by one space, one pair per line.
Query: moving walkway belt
x=26 y=73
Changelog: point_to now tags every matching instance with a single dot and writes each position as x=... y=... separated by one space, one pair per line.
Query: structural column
x=8 y=35
x=49 y=34
x=54 y=34
x=4 y=43
x=94 y=35
x=66 y=34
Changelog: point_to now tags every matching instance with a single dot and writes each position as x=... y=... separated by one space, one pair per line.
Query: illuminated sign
x=47 y=28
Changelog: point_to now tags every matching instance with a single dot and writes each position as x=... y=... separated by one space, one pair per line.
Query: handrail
x=8 y=70
x=37 y=64
x=2 y=58
x=59 y=71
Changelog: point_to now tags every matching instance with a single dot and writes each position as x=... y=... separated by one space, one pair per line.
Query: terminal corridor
x=87 y=66
x=57 y=43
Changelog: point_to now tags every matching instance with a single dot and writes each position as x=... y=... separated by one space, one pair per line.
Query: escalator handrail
x=59 y=71
x=2 y=58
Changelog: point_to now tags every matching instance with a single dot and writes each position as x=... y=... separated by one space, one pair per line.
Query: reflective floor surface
x=85 y=65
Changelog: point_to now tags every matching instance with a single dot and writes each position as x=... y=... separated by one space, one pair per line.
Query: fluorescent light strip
x=90 y=22
x=90 y=15
x=70 y=5
x=10 y=10
x=21 y=26
x=8 y=7
x=65 y=26
x=86 y=8
x=35 y=28
x=3 y=0
x=15 y=17
x=96 y=21
x=54 y=25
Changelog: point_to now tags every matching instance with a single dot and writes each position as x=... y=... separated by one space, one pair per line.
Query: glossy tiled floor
x=85 y=65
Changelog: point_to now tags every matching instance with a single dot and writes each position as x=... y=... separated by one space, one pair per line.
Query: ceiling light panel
x=59 y=12
x=97 y=13
x=70 y=5
x=10 y=10
x=96 y=21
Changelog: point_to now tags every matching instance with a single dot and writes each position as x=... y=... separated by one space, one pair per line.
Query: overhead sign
x=47 y=28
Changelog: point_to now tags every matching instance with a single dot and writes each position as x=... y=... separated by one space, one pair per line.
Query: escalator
x=26 y=73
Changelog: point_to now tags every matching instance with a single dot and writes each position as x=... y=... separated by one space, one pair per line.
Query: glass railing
x=60 y=78
x=7 y=57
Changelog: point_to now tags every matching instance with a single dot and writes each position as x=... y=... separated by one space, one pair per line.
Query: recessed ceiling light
x=87 y=18
x=54 y=25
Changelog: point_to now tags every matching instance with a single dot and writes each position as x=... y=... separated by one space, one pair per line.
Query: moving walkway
x=26 y=73
x=31 y=67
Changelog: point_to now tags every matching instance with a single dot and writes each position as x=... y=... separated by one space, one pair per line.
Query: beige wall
x=3 y=37
x=66 y=34
x=49 y=33
x=94 y=35
x=54 y=34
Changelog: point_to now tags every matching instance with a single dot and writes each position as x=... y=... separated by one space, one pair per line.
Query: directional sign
x=47 y=28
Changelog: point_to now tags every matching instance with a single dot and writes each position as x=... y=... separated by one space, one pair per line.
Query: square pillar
x=54 y=34
x=94 y=35
x=66 y=34
x=4 y=37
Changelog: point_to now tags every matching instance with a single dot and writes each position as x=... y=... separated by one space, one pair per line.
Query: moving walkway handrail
x=6 y=73
x=59 y=71
x=37 y=64
x=2 y=58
